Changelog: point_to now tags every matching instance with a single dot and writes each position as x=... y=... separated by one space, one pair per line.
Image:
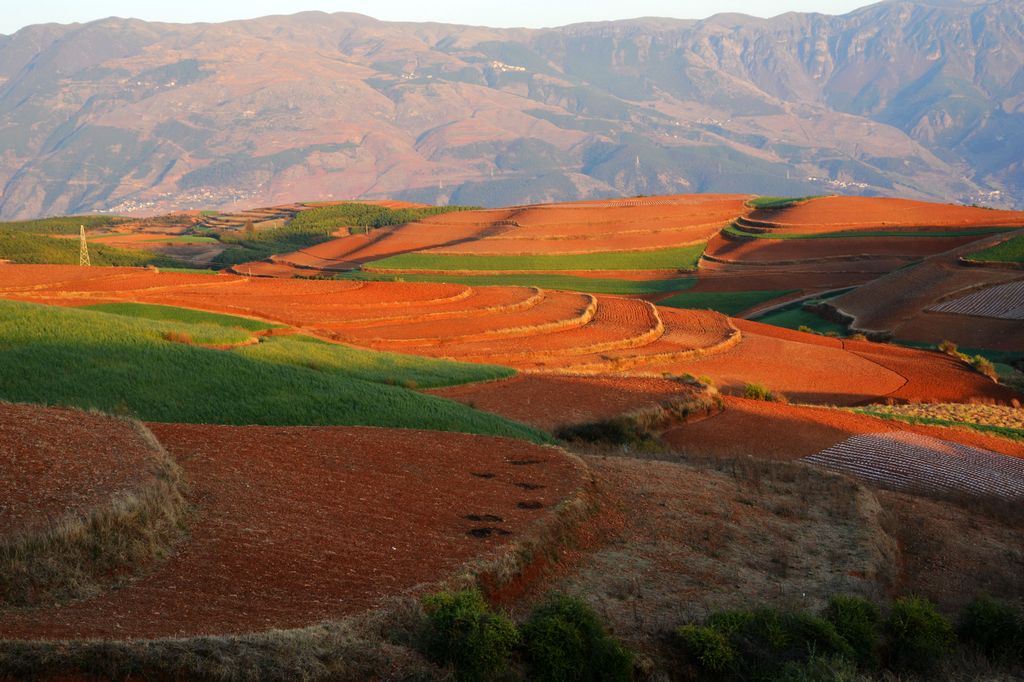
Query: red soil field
x=558 y=310
x=618 y=323
x=550 y=401
x=57 y=461
x=753 y=251
x=752 y=428
x=634 y=241
x=299 y=525
x=828 y=214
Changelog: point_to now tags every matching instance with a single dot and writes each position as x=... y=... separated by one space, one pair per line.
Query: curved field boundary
x=731 y=338
x=537 y=295
x=1002 y=301
x=995 y=265
x=653 y=332
x=913 y=462
x=578 y=320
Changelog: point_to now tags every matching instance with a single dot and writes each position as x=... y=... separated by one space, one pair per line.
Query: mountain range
x=923 y=99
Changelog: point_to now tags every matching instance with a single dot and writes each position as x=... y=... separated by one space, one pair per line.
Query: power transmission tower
x=83 y=248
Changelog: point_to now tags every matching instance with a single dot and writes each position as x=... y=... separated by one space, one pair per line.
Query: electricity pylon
x=83 y=248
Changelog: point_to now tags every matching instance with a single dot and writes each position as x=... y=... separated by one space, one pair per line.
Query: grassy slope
x=727 y=302
x=683 y=258
x=173 y=314
x=778 y=202
x=88 y=359
x=386 y=368
x=592 y=285
x=1010 y=251
x=21 y=247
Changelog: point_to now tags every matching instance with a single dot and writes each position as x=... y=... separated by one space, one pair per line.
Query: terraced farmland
x=914 y=462
x=533 y=329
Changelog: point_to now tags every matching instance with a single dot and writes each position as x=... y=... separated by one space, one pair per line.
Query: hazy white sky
x=15 y=14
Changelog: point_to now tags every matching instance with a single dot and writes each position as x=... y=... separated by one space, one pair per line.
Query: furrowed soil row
x=914 y=462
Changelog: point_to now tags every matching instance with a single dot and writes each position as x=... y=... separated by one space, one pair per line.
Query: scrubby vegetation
x=852 y=637
x=1010 y=251
x=23 y=247
x=126 y=366
x=755 y=391
x=979 y=362
x=592 y=285
x=563 y=640
x=462 y=632
x=81 y=553
x=726 y=302
x=641 y=429
x=680 y=259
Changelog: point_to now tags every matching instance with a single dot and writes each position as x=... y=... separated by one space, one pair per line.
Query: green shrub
x=766 y=641
x=708 y=647
x=949 y=348
x=857 y=621
x=918 y=636
x=463 y=633
x=761 y=392
x=994 y=627
x=564 y=640
x=983 y=365
x=618 y=431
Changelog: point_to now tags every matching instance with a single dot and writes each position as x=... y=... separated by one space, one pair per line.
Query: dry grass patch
x=82 y=553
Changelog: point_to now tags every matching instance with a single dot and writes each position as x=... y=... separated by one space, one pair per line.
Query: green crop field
x=683 y=258
x=410 y=371
x=858 y=234
x=778 y=202
x=1010 y=251
x=174 y=314
x=89 y=359
x=794 y=316
x=593 y=285
x=727 y=302
x=61 y=225
x=21 y=247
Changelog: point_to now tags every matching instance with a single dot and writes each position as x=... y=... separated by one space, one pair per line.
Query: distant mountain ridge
x=919 y=99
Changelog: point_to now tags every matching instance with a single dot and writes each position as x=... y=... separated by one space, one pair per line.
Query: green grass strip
x=88 y=359
x=174 y=314
x=682 y=258
x=410 y=371
x=1003 y=431
x=857 y=234
x=726 y=302
x=593 y=285
x=1010 y=251
x=778 y=202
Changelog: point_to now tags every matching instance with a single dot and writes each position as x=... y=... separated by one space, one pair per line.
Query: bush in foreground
x=919 y=637
x=857 y=621
x=463 y=633
x=755 y=391
x=994 y=627
x=564 y=640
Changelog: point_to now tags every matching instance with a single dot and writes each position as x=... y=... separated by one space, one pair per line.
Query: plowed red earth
x=299 y=525
x=829 y=214
x=55 y=461
x=547 y=401
x=807 y=250
x=751 y=428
